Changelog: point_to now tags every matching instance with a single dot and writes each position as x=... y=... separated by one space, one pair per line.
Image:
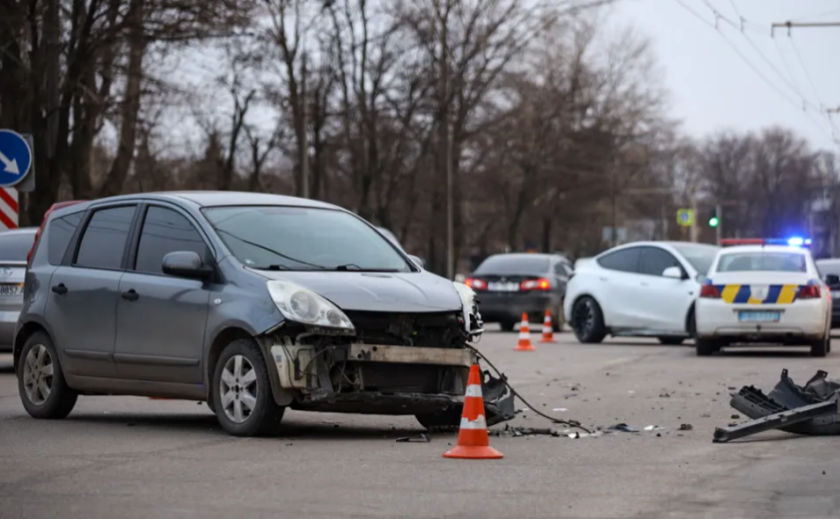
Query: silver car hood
x=377 y=291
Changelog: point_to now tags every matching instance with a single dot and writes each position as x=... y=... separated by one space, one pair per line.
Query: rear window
x=504 y=264
x=14 y=246
x=762 y=261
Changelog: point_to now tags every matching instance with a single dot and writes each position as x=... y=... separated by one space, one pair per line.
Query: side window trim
x=134 y=245
x=73 y=252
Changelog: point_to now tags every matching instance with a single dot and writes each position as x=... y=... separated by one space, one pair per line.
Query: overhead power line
x=743 y=26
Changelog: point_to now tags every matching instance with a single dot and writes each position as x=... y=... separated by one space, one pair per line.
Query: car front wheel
x=242 y=398
x=41 y=385
x=588 y=321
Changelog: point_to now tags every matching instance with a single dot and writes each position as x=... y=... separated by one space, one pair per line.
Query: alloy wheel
x=238 y=389
x=38 y=374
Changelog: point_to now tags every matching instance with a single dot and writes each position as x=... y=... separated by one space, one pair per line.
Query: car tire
x=706 y=347
x=671 y=341
x=588 y=321
x=241 y=387
x=40 y=372
x=558 y=320
x=821 y=347
x=507 y=326
x=445 y=421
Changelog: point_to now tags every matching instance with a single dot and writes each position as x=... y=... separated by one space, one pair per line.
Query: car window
x=60 y=233
x=165 y=231
x=526 y=264
x=826 y=267
x=560 y=269
x=14 y=246
x=762 y=261
x=303 y=238
x=699 y=256
x=654 y=261
x=103 y=241
x=625 y=260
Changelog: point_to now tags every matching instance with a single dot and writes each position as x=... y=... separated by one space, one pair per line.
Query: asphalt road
x=139 y=458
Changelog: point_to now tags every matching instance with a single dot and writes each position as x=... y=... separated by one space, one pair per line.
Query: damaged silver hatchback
x=254 y=303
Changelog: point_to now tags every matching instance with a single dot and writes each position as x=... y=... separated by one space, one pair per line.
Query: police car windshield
x=762 y=261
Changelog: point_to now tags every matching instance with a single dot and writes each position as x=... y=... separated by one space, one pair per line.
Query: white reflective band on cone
x=474 y=390
x=477 y=424
x=523 y=334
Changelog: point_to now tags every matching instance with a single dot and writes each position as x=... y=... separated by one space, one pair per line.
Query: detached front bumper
x=385 y=380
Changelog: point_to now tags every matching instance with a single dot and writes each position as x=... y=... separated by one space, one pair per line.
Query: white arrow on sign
x=9 y=165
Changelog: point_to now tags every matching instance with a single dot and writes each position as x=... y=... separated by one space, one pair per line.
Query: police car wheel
x=821 y=347
x=706 y=347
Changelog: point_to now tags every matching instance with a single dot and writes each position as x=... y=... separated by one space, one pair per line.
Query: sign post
x=15 y=166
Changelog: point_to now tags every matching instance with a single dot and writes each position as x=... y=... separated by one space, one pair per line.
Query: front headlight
x=305 y=306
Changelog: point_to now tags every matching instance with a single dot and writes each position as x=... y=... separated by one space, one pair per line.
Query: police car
x=763 y=290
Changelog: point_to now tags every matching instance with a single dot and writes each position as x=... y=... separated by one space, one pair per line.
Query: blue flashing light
x=796 y=241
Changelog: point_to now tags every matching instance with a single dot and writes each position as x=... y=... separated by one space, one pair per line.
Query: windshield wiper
x=356 y=268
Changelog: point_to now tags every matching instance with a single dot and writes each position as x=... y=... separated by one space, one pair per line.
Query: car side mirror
x=832 y=279
x=673 y=272
x=186 y=264
x=418 y=261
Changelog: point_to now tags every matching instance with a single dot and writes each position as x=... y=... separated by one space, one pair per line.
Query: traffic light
x=714 y=220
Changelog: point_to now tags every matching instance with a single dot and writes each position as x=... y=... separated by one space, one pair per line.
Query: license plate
x=11 y=290
x=503 y=287
x=758 y=317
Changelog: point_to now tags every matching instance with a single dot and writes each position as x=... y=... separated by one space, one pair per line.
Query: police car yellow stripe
x=741 y=294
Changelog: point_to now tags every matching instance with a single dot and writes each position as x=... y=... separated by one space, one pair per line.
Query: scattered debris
x=735 y=417
x=686 y=427
x=623 y=427
x=423 y=438
x=664 y=394
x=810 y=409
x=653 y=428
x=559 y=409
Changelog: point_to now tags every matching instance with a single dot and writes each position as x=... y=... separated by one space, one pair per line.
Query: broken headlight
x=305 y=306
x=472 y=317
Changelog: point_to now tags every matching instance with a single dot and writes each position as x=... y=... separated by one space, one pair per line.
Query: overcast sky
x=714 y=88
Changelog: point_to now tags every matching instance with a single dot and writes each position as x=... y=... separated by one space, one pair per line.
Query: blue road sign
x=15 y=158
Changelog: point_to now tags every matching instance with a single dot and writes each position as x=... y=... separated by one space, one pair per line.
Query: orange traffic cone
x=548 y=329
x=473 y=440
x=524 y=336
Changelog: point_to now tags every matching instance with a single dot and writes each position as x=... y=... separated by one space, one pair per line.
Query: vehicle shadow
x=765 y=353
x=290 y=428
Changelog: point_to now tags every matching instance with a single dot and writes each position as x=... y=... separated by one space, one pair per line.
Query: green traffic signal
x=713 y=221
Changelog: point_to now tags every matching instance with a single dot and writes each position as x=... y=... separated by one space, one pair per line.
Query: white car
x=641 y=289
x=766 y=294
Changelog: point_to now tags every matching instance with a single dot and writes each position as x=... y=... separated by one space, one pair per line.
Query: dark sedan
x=509 y=285
x=830 y=272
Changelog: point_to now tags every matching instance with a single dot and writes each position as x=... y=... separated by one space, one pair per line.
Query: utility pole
x=447 y=156
x=693 y=201
x=304 y=137
x=719 y=214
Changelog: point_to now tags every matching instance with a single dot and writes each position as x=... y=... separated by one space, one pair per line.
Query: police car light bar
x=792 y=242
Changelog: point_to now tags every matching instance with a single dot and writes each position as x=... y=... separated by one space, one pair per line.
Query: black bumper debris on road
x=811 y=409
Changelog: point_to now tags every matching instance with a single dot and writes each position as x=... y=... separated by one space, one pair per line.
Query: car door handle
x=59 y=289
x=643 y=284
x=603 y=279
x=131 y=295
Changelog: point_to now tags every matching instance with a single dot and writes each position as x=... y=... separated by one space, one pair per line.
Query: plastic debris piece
x=559 y=409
